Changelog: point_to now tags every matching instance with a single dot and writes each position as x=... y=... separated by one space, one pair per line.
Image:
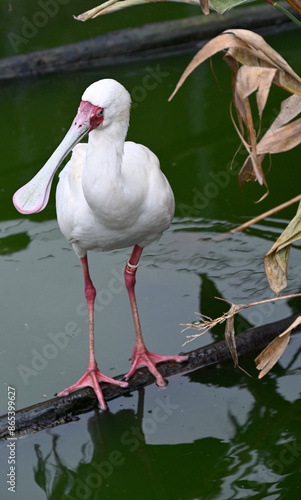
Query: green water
x=216 y=433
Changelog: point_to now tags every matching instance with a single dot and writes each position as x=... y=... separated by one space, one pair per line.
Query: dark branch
x=136 y=43
x=62 y=410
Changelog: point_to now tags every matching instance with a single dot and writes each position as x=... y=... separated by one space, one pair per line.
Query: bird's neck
x=103 y=166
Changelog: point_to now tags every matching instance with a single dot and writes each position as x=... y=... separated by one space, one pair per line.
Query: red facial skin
x=97 y=118
x=87 y=111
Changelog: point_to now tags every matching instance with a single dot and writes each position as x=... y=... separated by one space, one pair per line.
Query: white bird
x=111 y=194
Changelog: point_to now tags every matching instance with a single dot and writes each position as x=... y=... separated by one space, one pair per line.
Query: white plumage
x=102 y=214
x=111 y=194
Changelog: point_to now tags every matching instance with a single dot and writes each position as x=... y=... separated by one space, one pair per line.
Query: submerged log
x=65 y=409
x=135 y=43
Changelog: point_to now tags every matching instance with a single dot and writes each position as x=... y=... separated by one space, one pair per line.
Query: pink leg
x=92 y=376
x=141 y=356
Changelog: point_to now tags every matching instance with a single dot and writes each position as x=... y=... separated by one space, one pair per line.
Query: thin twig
x=264 y=215
x=274 y=299
x=204 y=325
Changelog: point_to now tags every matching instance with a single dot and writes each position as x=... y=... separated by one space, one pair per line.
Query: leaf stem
x=287 y=13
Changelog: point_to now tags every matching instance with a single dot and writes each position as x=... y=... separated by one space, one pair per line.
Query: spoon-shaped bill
x=33 y=196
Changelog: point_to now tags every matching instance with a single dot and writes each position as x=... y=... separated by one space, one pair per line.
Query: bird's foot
x=92 y=378
x=144 y=357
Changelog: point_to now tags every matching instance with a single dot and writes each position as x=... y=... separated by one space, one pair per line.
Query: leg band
x=131 y=268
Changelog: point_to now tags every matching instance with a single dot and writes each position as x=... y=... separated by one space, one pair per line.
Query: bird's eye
x=100 y=112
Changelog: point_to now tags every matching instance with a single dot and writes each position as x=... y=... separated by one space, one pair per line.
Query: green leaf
x=222 y=6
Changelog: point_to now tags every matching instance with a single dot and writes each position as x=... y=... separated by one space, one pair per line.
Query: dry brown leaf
x=282 y=139
x=205 y=7
x=229 y=317
x=230 y=339
x=261 y=66
x=247 y=48
x=246 y=173
x=263 y=51
x=221 y=42
x=290 y=108
x=255 y=79
x=112 y=6
x=275 y=261
x=230 y=335
x=259 y=54
x=275 y=265
x=96 y=11
x=251 y=169
x=270 y=355
x=250 y=79
x=283 y=135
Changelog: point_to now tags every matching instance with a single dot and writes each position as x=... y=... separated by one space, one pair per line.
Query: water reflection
x=118 y=460
x=118 y=446
x=14 y=243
